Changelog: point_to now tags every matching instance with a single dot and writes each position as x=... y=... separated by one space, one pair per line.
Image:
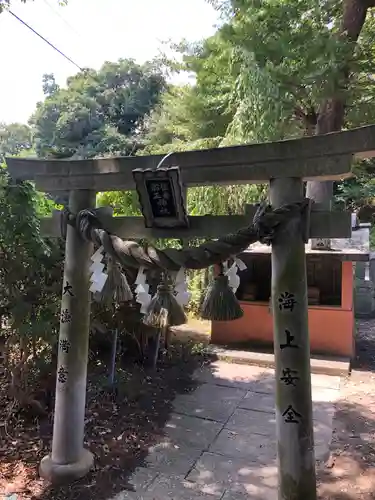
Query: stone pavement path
x=220 y=442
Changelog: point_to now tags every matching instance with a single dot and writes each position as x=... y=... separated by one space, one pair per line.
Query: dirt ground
x=120 y=427
x=350 y=471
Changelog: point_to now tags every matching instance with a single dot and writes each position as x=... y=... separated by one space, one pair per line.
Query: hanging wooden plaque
x=161 y=197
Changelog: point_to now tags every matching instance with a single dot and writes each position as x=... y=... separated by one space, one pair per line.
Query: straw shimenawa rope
x=266 y=223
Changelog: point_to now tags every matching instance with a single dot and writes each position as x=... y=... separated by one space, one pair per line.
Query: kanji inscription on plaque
x=161 y=198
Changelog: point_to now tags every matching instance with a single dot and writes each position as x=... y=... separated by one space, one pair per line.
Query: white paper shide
x=181 y=288
x=142 y=295
x=98 y=277
x=232 y=273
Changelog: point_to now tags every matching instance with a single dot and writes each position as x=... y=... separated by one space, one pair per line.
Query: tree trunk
x=332 y=111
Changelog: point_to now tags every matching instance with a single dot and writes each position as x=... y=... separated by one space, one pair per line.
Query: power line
x=57 y=13
x=45 y=40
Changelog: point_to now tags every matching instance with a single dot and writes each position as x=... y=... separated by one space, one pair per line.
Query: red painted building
x=330 y=288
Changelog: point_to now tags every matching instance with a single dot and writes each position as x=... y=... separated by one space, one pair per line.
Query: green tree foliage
x=308 y=53
x=358 y=191
x=99 y=113
x=173 y=120
x=15 y=138
x=211 y=63
x=50 y=86
x=360 y=105
x=317 y=55
x=198 y=117
x=314 y=61
x=30 y=266
x=191 y=112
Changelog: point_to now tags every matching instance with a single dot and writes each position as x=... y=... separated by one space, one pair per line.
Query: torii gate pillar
x=294 y=426
x=69 y=460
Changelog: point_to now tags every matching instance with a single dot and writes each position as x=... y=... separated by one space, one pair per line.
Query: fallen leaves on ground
x=120 y=426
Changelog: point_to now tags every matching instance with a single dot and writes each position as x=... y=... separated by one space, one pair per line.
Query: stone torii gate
x=285 y=165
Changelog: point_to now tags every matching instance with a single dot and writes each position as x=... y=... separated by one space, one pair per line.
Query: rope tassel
x=164 y=310
x=116 y=287
x=220 y=303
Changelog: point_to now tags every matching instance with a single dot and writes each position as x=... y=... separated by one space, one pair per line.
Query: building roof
x=356 y=248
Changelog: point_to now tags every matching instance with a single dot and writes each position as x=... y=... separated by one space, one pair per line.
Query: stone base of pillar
x=58 y=473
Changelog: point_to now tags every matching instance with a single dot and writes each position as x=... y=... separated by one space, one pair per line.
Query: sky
x=90 y=32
